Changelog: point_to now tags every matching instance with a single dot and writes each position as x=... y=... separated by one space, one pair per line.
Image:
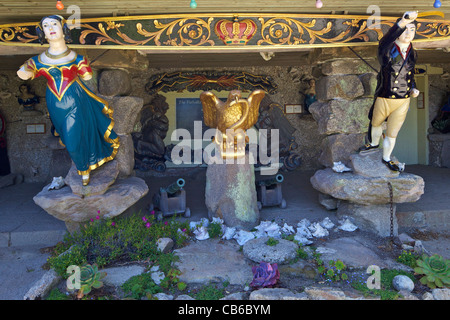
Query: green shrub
x=105 y=242
x=140 y=286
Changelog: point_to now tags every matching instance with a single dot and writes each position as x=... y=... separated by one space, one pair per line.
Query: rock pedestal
x=366 y=191
x=73 y=209
x=345 y=93
x=230 y=193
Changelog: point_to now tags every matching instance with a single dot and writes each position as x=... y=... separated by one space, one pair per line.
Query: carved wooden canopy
x=227 y=31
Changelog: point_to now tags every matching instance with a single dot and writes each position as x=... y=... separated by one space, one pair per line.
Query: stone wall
x=345 y=90
x=39 y=157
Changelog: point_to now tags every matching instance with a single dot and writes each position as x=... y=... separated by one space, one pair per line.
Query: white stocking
x=388 y=146
x=376 y=133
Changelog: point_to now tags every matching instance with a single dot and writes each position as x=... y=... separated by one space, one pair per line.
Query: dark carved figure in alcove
x=150 y=150
x=26 y=98
x=271 y=116
x=310 y=95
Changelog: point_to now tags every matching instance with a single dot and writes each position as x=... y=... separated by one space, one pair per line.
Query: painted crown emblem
x=235 y=32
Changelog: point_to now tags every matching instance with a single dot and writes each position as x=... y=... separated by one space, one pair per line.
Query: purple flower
x=148 y=224
x=265 y=275
x=97 y=217
x=166 y=223
x=152 y=212
x=144 y=219
x=113 y=224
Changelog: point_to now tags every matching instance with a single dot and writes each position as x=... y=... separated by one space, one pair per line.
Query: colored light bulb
x=193 y=4
x=59 y=5
x=319 y=4
x=437 y=4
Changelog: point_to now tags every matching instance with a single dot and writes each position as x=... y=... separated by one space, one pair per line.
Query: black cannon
x=269 y=193
x=170 y=200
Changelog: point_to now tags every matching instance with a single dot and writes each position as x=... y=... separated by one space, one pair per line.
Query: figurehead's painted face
x=52 y=29
x=408 y=35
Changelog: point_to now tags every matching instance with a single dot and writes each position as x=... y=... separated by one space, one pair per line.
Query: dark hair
x=40 y=32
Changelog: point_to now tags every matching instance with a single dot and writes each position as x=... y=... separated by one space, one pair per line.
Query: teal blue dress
x=82 y=120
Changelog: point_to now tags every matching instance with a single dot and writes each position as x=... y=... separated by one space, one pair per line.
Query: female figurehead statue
x=82 y=120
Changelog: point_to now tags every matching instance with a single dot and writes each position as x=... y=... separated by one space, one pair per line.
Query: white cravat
x=403 y=49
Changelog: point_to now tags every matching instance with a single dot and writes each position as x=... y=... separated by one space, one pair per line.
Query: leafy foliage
x=105 y=242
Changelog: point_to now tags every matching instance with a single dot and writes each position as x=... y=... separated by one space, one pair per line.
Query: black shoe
x=392 y=165
x=367 y=147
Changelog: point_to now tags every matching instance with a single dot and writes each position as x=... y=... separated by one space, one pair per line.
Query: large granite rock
x=371 y=165
x=114 y=82
x=213 y=260
x=346 y=66
x=125 y=156
x=230 y=194
x=339 y=147
x=100 y=179
x=342 y=116
x=282 y=252
x=371 y=218
x=126 y=110
x=339 y=87
x=71 y=208
x=365 y=194
x=368 y=190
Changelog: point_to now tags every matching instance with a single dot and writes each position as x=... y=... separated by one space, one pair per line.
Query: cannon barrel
x=271 y=181
x=174 y=187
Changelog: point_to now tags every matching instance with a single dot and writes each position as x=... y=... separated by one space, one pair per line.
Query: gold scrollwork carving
x=8 y=34
x=190 y=32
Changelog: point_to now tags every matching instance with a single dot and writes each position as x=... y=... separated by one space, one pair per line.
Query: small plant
x=265 y=275
x=215 y=230
x=56 y=294
x=172 y=280
x=335 y=272
x=408 y=259
x=90 y=278
x=209 y=292
x=140 y=286
x=436 y=271
x=272 y=242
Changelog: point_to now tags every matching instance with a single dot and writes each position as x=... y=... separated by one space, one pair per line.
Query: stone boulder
x=368 y=190
x=258 y=251
x=230 y=194
x=100 y=179
x=342 y=116
x=213 y=260
x=73 y=209
x=114 y=82
x=339 y=147
x=346 y=66
x=371 y=218
x=125 y=112
x=339 y=87
x=371 y=165
x=355 y=253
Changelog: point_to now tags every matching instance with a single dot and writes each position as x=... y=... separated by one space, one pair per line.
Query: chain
x=391 y=198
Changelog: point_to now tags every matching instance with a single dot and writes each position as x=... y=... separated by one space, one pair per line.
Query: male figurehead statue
x=395 y=86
